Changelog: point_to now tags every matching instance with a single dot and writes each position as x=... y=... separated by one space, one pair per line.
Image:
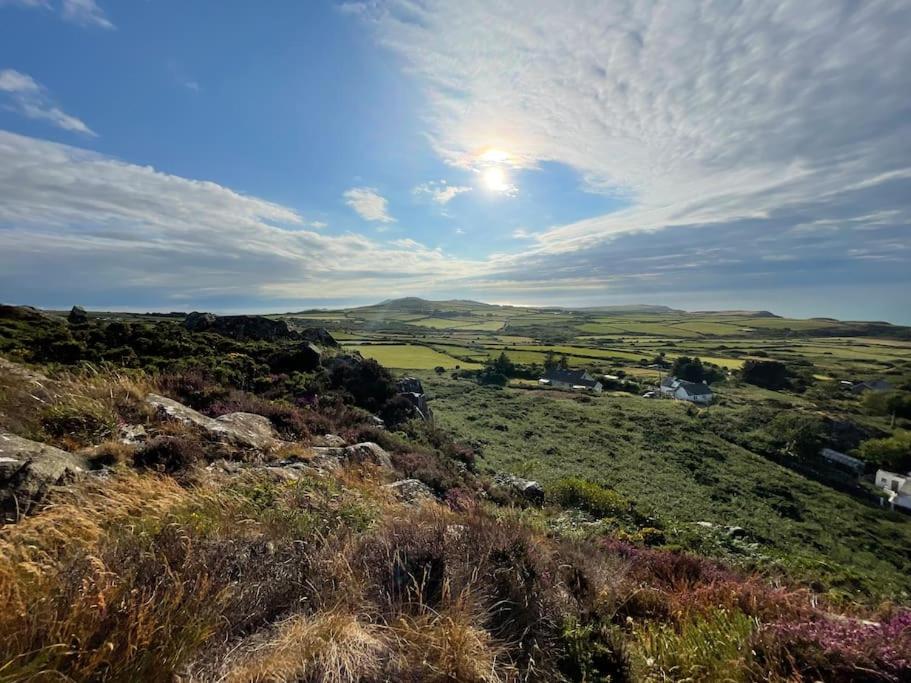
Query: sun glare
x=494 y=179
x=494 y=155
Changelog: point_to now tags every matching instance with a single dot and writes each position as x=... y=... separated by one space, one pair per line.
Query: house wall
x=683 y=396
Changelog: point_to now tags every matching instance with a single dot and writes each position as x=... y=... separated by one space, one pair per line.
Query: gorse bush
x=590 y=497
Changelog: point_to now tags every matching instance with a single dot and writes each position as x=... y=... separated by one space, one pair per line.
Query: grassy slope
x=659 y=456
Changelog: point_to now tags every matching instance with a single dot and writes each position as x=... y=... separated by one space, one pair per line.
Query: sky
x=215 y=155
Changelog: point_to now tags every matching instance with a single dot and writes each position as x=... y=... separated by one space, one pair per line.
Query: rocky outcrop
x=199 y=322
x=330 y=441
x=240 y=327
x=410 y=491
x=530 y=490
x=303 y=357
x=366 y=452
x=412 y=390
x=28 y=470
x=77 y=316
x=242 y=429
x=319 y=336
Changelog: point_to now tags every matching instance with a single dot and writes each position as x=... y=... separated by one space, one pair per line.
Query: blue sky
x=213 y=155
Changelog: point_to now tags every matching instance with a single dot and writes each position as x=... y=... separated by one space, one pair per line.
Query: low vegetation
x=670 y=544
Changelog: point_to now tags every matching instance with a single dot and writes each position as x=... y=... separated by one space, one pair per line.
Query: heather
x=181 y=553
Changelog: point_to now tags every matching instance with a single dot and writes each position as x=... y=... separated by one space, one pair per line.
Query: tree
x=502 y=365
x=688 y=368
x=888 y=403
x=769 y=374
x=799 y=434
x=439 y=369
x=891 y=453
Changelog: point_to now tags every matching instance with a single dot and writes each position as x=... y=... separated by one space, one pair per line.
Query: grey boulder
x=28 y=470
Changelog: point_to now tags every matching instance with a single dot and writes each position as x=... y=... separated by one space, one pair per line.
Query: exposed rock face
x=28 y=470
x=251 y=429
x=243 y=429
x=411 y=491
x=531 y=490
x=199 y=322
x=367 y=452
x=240 y=327
x=303 y=358
x=329 y=441
x=77 y=316
x=318 y=335
x=411 y=389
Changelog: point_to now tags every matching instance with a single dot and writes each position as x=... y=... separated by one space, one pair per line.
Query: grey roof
x=576 y=377
x=842 y=458
x=695 y=389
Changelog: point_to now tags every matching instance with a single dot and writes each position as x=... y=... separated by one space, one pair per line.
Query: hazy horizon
x=699 y=155
x=357 y=303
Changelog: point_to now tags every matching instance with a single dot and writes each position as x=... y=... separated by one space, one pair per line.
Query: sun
x=494 y=179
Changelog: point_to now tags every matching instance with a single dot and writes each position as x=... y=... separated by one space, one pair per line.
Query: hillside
x=233 y=499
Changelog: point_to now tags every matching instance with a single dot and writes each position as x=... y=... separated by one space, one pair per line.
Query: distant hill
x=629 y=308
x=745 y=314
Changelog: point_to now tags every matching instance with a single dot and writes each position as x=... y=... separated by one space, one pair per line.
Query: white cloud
x=82 y=12
x=699 y=112
x=440 y=191
x=523 y=234
x=31 y=100
x=319 y=225
x=72 y=219
x=369 y=204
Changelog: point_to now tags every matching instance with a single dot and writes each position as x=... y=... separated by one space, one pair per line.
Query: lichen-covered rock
x=411 y=491
x=242 y=429
x=334 y=457
x=251 y=429
x=330 y=441
x=28 y=470
x=531 y=490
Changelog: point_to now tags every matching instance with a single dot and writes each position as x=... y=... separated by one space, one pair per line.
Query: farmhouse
x=686 y=391
x=578 y=380
x=898 y=486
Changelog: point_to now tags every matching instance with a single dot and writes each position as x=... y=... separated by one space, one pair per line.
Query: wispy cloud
x=369 y=204
x=523 y=234
x=85 y=13
x=440 y=191
x=30 y=99
x=81 y=12
x=85 y=220
x=699 y=114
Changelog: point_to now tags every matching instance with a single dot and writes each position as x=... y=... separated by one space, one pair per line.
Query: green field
x=408 y=356
x=665 y=459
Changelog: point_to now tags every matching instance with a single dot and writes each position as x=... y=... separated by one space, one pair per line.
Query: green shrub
x=593 y=652
x=590 y=497
x=704 y=647
x=892 y=453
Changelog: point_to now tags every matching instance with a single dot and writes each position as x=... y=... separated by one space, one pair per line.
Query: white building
x=577 y=380
x=686 y=391
x=898 y=486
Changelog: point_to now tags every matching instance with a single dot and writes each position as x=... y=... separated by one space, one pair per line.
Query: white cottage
x=898 y=486
x=693 y=392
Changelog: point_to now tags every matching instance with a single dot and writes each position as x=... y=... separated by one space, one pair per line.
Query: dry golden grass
x=451 y=644
x=60 y=594
x=331 y=647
